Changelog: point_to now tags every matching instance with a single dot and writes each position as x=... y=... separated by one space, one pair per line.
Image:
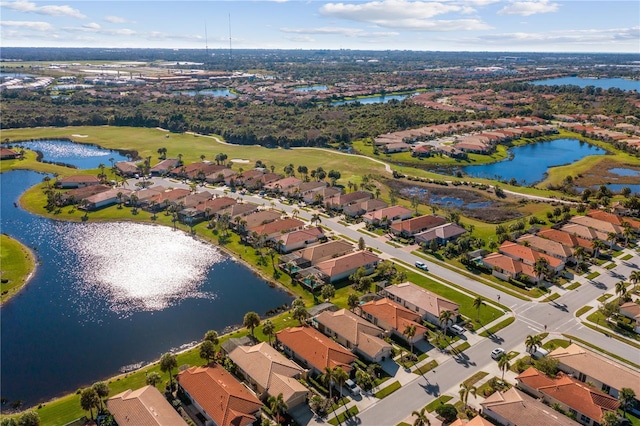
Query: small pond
x=621 y=171
x=530 y=163
x=374 y=99
x=219 y=93
x=82 y=156
x=317 y=88
x=603 y=83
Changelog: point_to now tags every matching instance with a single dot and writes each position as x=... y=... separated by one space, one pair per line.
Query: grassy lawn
x=460 y=348
x=593 y=275
x=16 y=265
x=556 y=343
x=599 y=319
x=583 y=310
x=626 y=257
x=388 y=390
x=476 y=378
x=573 y=286
x=426 y=368
x=604 y=297
x=610 y=266
x=441 y=400
x=551 y=297
x=343 y=416
x=497 y=327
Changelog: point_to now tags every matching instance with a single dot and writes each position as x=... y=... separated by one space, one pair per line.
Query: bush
x=448 y=412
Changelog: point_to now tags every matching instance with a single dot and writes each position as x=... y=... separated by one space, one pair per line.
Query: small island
x=18 y=264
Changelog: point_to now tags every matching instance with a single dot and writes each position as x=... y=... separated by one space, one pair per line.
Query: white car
x=457 y=329
x=353 y=388
x=421 y=265
x=497 y=353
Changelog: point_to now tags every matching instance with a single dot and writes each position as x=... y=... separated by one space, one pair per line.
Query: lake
x=373 y=99
x=82 y=156
x=109 y=295
x=529 y=163
x=226 y=93
x=317 y=88
x=603 y=83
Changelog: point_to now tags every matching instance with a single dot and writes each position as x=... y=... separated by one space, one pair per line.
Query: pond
x=603 y=83
x=621 y=171
x=529 y=164
x=220 y=93
x=110 y=295
x=82 y=156
x=316 y=88
x=373 y=99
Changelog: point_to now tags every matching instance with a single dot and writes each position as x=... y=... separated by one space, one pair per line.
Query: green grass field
x=16 y=264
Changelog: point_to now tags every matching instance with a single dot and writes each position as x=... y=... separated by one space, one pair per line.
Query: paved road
x=531 y=318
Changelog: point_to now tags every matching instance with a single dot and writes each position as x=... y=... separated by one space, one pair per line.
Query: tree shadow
x=494 y=337
x=599 y=285
x=431 y=388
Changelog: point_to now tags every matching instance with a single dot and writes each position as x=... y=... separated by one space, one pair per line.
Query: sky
x=422 y=25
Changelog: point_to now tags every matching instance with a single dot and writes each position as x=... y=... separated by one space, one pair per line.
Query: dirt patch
x=471 y=202
x=601 y=174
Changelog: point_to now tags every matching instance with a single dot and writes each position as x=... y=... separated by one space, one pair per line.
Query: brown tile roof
x=239 y=209
x=508 y=264
x=165 y=165
x=143 y=407
x=87 y=191
x=126 y=167
x=519 y=408
x=545 y=245
x=347 y=262
x=527 y=254
x=352 y=197
x=600 y=368
x=261 y=217
x=223 y=397
x=394 y=314
x=8 y=153
x=424 y=299
x=565 y=238
x=597 y=224
x=310 y=234
x=476 y=421
x=389 y=213
x=284 y=183
x=79 y=179
x=325 y=251
x=170 y=195
x=614 y=218
x=277 y=226
x=206 y=168
x=108 y=194
x=582 y=231
x=631 y=309
x=316 y=348
x=419 y=223
x=215 y=204
x=347 y=324
x=446 y=231
x=570 y=392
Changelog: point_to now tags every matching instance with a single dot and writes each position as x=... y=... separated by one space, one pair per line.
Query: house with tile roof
x=388 y=215
x=314 y=350
x=529 y=256
x=615 y=219
x=566 y=239
x=585 y=402
x=547 y=246
x=272 y=231
x=77 y=181
x=321 y=194
x=631 y=310
x=354 y=333
x=339 y=268
x=286 y=185
x=506 y=268
x=164 y=167
x=166 y=198
x=8 y=154
x=197 y=170
x=261 y=217
x=442 y=234
x=394 y=318
x=476 y=421
x=105 y=198
x=221 y=175
x=126 y=168
x=340 y=201
x=605 y=374
x=358 y=209
x=427 y=304
x=597 y=225
x=584 y=232
x=211 y=206
x=516 y=408
x=298 y=239
x=219 y=396
x=143 y=407
x=410 y=227
x=269 y=373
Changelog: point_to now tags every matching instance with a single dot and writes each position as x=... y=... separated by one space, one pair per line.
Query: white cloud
x=347 y=32
x=301 y=39
x=528 y=8
x=568 y=37
x=115 y=19
x=31 y=25
x=50 y=10
x=92 y=26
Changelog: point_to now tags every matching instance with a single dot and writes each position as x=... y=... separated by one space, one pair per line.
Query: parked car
x=457 y=329
x=421 y=265
x=353 y=388
x=497 y=353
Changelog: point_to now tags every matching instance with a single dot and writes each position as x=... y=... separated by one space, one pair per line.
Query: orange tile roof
x=597 y=224
x=613 y=218
x=509 y=264
x=316 y=348
x=277 y=226
x=311 y=234
x=392 y=313
x=350 y=261
x=418 y=223
x=520 y=252
x=171 y=195
x=422 y=298
x=223 y=397
x=565 y=238
x=389 y=213
x=143 y=407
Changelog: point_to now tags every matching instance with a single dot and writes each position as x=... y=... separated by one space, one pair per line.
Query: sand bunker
x=80 y=136
x=239 y=160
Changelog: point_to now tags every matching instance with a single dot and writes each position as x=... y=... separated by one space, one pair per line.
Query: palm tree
x=353 y=301
x=627 y=398
x=153 y=378
x=327 y=380
x=268 y=329
x=340 y=376
x=409 y=332
x=300 y=313
x=167 y=363
x=541 y=267
x=102 y=390
x=579 y=253
x=597 y=245
x=208 y=351
x=464 y=392
x=211 y=336
x=627 y=232
x=610 y=418
x=634 y=277
x=503 y=364
x=316 y=219
x=277 y=406
x=421 y=417
x=251 y=321
x=532 y=342
x=611 y=238
x=477 y=303
x=621 y=287
x=445 y=318
x=89 y=400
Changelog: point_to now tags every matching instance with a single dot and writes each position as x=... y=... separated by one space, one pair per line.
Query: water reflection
x=82 y=156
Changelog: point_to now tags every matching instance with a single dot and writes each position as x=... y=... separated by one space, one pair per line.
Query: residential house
x=295 y=240
x=126 y=168
x=547 y=246
x=529 y=256
x=506 y=268
x=243 y=177
x=358 y=209
x=164 y=167
x=476 y=421
x=196 y=198
x=603 y=373
x=516 y=408
x=260 y=181
x=286 y=186
x=394 y=318
x=428 y=305
x=586 y=403
x=272 y=231
x=615 y=219
x=73 y=196
x=387 y=215
x=106 y=198
x=219 y=397
x=238 y=210
x=77 y=181
x=321 y=194
x=598 y=225
x=221 y=175
x=583 y=232
x=314 y=254
x=314 y=350
x=146 y=193
x=442 y=234
x=213 y=205
x=269 y=373
x=164 y=199
x=631 y=310
x=354 y=333
x=198 y=170
x=340 y=201
x=410 y=227
x=143 y=407
x=422 y=151
x=260 y=218
x=312 y=187
x=566 y=239
x=8 y=154
x=339 y=268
